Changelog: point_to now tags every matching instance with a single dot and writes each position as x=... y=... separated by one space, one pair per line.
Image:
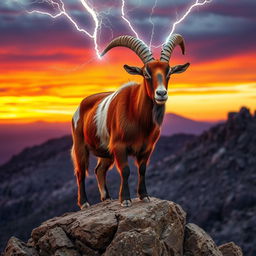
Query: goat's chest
x=140 y=142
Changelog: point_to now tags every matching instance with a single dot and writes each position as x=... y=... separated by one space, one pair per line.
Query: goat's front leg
x=142 y=160
x=121 y=159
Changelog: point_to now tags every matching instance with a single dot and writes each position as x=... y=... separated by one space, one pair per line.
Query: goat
x=115 y=125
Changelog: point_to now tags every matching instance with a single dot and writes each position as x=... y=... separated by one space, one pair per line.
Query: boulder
x=15 y=247
x=199 y=243
x=230 y=249
x=154 y=228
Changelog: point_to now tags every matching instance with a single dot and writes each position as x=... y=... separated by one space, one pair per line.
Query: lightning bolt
x=62 y=12
x=152 y=23
x=127 y=20
x=97 y=19
x=197 y=3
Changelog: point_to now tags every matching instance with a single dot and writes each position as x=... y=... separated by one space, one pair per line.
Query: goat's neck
x=150 y=113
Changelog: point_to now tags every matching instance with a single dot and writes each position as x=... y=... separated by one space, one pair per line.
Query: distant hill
x=15 y=137
x=178 y=124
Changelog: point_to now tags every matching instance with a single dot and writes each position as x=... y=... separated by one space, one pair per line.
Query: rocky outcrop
x=19 y=248
x=230 y=249
x=155 y=228
x=214 y=180
x=197 y=242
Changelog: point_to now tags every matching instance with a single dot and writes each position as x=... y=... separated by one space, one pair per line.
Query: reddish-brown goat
x=114 y=125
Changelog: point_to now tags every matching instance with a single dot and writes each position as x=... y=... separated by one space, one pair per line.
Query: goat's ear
x=179 y=68
x=133 y=70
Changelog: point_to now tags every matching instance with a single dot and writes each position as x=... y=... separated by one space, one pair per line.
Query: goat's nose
x=161 y=92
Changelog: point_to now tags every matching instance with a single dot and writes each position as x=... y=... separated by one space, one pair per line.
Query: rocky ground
x=213 y=178
x=39 y=184
x=155 y=228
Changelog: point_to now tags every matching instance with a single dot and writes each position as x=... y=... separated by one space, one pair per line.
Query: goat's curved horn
x=135 y=44
x=168 y=48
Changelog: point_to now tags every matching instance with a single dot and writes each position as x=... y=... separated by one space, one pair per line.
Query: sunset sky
x=47 y=67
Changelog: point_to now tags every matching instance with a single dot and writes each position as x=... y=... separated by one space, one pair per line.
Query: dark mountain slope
x=39 y=183
x=214 y=180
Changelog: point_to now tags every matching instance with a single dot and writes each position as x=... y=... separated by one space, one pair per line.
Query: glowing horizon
x=46 y=77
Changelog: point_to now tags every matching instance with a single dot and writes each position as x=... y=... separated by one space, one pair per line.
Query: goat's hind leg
x=80 y=156
x=101 y=170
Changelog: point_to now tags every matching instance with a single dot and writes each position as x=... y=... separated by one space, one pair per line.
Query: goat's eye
x=146 y=74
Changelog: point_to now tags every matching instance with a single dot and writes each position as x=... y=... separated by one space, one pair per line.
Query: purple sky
x=225 y=26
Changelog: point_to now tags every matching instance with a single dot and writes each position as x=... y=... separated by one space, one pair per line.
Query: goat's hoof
x=126 y=203
x=145 y=199
x=85 y=205
x=106 y=199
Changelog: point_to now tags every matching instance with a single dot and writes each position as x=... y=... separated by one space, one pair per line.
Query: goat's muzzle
x=161 y=96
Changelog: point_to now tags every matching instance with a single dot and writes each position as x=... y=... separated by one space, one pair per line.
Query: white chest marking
x=76 y=116
x=102 y=114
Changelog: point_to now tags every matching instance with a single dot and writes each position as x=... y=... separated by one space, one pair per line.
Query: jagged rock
x=156 y=231
x=106 y=223
x=230 y=249
x=199 y=243
x=245 y=112
x=54 y=239
x=66 y=252
x=15 y=247
x=154 y=228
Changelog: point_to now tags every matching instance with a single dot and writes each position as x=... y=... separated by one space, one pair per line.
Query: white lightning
x=152 y=23
x=197 y=3
x=59 y=5
x=126 y=20
x=62 y=12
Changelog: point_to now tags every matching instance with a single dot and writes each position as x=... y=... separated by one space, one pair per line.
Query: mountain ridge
x=36 y=133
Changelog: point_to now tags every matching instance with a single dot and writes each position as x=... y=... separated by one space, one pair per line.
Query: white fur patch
x=102 y=114
x=76 y=116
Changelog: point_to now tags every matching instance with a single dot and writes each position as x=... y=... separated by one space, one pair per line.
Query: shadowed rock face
x=155 y=228
x=198 y=243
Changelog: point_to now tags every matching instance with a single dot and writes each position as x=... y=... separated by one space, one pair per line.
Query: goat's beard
x=158 y=113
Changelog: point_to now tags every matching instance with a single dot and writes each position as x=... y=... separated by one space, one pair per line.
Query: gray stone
x=15 y=247
x=230 y=249
x=199 y=243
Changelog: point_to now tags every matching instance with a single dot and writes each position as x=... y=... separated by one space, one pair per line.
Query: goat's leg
x=142 y=166
x=101 y=171
x=80 y=156
x=121 y=159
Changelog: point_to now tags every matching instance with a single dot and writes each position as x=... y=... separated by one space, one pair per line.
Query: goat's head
x=156 y=73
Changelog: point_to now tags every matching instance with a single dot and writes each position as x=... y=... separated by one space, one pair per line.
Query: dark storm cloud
x=219 y=29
